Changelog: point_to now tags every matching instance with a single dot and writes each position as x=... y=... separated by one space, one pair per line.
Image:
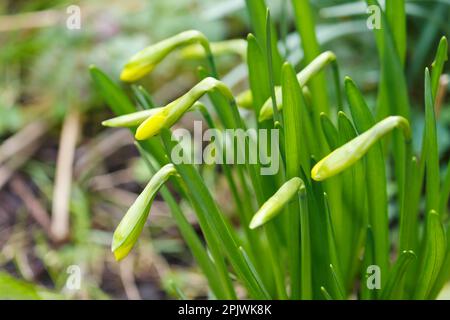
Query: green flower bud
x=346 y=155
x=145 y=60
x=132 y=223
x=170 y=114
x=303 y=77
x=272 y=207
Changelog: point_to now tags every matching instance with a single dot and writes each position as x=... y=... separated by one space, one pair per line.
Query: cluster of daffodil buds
x=132 y=223
x=145 y=60
x=346 y=155
x=273 y=206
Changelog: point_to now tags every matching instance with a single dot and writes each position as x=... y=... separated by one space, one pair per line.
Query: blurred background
x=65 y=181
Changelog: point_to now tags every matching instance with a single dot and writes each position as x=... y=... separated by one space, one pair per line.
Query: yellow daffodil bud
x=303 y=77
x=132 y=223
x=275 y=204
x=346 y=155
x=171 y=113
x=245 y=99
x=145 y=60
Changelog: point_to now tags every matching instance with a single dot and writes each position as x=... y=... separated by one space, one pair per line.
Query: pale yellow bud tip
x=133 y=71
x=122 y=251
x=150 y=127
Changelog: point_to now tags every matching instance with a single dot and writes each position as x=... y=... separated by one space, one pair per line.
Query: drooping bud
x=131 y=225
x=346 y=155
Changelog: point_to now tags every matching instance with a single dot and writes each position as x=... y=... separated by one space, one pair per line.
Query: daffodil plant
x=320 y=227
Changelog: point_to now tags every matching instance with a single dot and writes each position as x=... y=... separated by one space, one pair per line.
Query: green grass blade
x=305 y=243
x=257 y=12
x=340 y=290
x=325 y=294
x=284 y=26
x=254 y=273
x=393 y=287
x=304 y=18
x=431 y=152
x=354 y=216
x=393 y=93
x=369 y=259
x=269 y=60
x=257 y=76
x=330 y=131
x=437 y=17
x=318 y=228
x=293 y=102
x=445 y=193
x=143 y=97
x=438 y=65
x=215 y=218
x=111 y=92
x=396 y=16
x=417 y=186
x=244 y=208
x=335 y=264
x=432 y=256
x=444 y=274
x=337 y=84
x=375 y=177
x=408 y=232
x=277 y=271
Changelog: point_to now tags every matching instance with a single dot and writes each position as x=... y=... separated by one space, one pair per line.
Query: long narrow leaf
x=432 y=256
x=393 y=285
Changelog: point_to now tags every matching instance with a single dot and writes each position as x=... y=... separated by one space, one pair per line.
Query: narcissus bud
x=170 y=114
x=145 y=60
x=303 y=77
x=346 y=155
x=275 y=204
x=132 y=223
x=245 y=99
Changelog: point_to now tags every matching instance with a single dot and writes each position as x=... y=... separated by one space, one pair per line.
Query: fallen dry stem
x=63 y=176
